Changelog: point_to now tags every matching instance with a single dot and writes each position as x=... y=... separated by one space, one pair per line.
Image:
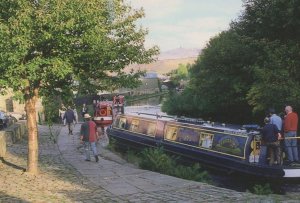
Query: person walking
x=290 y=133
x=89 y=135
x=84 y=110
x=69 y=117
x=75 y=114
x=62 y=112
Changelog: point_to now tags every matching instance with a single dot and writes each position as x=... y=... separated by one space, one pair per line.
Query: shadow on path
x=12 y=165
x=7 y=198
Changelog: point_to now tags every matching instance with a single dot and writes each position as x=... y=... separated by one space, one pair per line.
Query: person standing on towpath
x=69 y=117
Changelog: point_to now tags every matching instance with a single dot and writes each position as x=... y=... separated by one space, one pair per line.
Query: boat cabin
x=234 y=149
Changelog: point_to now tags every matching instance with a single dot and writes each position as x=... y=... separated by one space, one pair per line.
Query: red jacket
x=291 y=122
x=88 y=131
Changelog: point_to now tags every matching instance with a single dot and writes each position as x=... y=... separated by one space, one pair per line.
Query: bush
x=112 y=144
x=192 y=173
x=262 y=189
x=132 y=157
x=156 y=160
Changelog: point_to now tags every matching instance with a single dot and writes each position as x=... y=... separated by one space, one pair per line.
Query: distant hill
x=179 y=53
x=168 y=61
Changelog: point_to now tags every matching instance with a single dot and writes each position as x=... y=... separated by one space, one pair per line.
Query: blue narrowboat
x=234 y=149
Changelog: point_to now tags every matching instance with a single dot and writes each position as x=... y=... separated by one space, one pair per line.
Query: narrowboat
x=103 y=115
x=226 y=147
x=105 y=110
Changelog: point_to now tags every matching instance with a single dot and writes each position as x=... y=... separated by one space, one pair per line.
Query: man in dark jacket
x=270 y=136
x=70 y=118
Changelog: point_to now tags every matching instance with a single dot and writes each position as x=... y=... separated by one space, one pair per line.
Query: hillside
x=168 y=60
x=162 y=66
x=179 y=53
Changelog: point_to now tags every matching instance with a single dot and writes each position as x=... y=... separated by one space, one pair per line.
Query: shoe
x=97 y=158
x=87 y=160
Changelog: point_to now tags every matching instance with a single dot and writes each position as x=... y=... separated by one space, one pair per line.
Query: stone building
x=150 y=84
x=9 y=105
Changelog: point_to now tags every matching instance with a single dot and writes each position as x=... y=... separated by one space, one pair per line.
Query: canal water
x=220 y=178
x=153 y=101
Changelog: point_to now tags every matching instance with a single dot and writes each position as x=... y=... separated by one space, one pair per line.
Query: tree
x=179 y=74
x=220 y=80
x=273 y=27
x=46 y=45
x=250 y=67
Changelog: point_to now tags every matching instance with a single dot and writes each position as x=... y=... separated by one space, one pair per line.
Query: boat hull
x=207 y=158
x=232 y=150
x=103 y=120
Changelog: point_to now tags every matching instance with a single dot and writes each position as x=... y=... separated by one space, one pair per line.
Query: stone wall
x=12 y=134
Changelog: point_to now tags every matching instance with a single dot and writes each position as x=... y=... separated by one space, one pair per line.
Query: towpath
x=66 y=177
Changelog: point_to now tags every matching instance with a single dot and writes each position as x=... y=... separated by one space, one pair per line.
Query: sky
x=185 y=23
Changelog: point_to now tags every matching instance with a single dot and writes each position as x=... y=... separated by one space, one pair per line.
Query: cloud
x=188 y=24
x=157 y=9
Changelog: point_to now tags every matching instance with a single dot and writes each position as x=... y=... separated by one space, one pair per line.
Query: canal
x=220 y=178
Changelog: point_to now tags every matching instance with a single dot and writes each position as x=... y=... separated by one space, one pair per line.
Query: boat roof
x=104 y=103
x=238 y=129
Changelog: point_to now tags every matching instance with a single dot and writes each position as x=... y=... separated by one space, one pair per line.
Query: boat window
x=171 y=133
x=122 y=123
x=188 y=136
x=206 y=139
x=134 y=125
x=151 y=129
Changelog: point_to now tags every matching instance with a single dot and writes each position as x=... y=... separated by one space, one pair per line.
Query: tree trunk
x=33 y=150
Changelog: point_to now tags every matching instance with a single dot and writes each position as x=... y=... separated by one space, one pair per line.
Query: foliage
x=179 y=74
x=50 y=44
x=247 y=69
x=262 y=189
x=191 y=173
x=112 y=144
x=53 y=47
x=273 y=28
x=51 y=106
x=53 y=133
x=178 y=104
x=132 y=157
x=155 y=159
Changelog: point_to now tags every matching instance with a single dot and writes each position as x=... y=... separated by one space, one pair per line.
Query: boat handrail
x=156 y=115
x=290 y=138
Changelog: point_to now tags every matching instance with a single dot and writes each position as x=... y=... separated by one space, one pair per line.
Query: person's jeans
x=291 y=146
x=87 y=146
x=263 y=155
